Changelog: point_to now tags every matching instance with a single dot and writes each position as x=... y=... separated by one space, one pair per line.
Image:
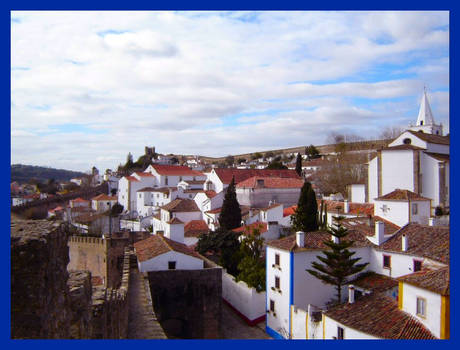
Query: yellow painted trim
x=445 y=318
x=292 y=307
x=306 y=325
x=400 y=295
x=324 y=327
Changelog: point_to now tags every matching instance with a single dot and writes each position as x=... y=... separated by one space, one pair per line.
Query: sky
x=88 y=87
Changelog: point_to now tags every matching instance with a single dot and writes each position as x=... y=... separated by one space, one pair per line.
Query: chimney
x=351 y=294
x=379 y=231
x=335 y=239
x=404 y=243
x=300 y=238
x=260 y=182
x=346 y=206
x=432 y=221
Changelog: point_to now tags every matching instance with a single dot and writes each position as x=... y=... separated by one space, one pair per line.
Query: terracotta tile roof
x=104 y=197
x=402 y=195
x=361 y=224
x=157 y=189
x=87 y=219
x=144 y=174
x=315 y=241
x=175 y=170
x=131 y=178
x=289 y=210
x=248 y=229
x=79 y=200
x=146 y=189
x=58 y=208
x=195 y=182
x=157 y=245
x=424 y=241
x=270 y=182
x=379 y=315
x=195 y=228
x=431 y=138
x=180 y=204
x=353 y=208
x=225 y=175
x=374 y=282
x=439 y=156
x=437 y=281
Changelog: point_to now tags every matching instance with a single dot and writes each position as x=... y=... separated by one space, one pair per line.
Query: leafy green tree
x=252 y=266
x=229 y=160
x=305 y=217
x=116 y=210
x=256 y=155
x=298 y=165
x=224 y=244
x=312 y=152
x=230 y=214
x=338 y=262
x=276 y=164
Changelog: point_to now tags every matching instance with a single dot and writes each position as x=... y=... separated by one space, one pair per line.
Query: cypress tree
x=230 y=215
x=338 y=263
x=298 y=165
x=305 y=217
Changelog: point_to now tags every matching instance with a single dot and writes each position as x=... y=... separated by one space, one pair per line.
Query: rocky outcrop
x=79 y=284
x=40 y=301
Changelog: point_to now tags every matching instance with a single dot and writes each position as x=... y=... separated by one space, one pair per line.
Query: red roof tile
x=175 y=170
x=182 y=205
x=270 y=182
x=104 y=197
x=353 y=208
x=194 y=228
x=379 y=315
x=424 y=241
x=144 y=174
x=225 y=175
x=402 y=195
x=437 y=281
x=131 y=178
x=249 y=229
x=374 y=282
x=157 y=245
x=367 y=225
x=431 y=138
x=289 y=210
x=79 y=200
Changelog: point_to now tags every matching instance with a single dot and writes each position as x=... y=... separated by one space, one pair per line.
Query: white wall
x=397 y=211
x=188 y=241
x=280 y=322
x=330 y=332
x=299 y=323
x=430 y=178
x=272 y=214
x=357 y=193
x=185 y=216
x=372 y=180
x=397 y=170
x=243 y=298
x=436 y=148
x=401 y=264
x=160 y=263
x=175 y=232
x=218 y=185
x=415 y=141
x=433 y=307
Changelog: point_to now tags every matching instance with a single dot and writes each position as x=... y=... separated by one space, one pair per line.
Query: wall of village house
x=175 y=232
x=357 y=193
x=373 y=180
x=430 y=178
x=279 y=320
x=299 y=323
x=397 y=170
x=246 y=300
x=310 y=290
x=261 y=197
x=433 y=307
x=188 y=241
x=102 y=205
x=330 y=331
x=401 y=264
x=160 y=263
x=186 y=216
x=217 y=184
x=396 y=211
x=435 y=148
x=273 y=214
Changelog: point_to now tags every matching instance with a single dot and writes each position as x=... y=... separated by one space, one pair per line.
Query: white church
x=417 y=160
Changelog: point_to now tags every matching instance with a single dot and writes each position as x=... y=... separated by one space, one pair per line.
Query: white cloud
x=174 y=79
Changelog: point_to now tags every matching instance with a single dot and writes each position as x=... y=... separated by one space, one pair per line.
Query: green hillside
x=23 y=173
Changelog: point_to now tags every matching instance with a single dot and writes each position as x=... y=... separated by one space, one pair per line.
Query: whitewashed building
x=158 y=253
x=103 y=202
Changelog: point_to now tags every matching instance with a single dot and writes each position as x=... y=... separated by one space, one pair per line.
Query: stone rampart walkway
x=142 y=323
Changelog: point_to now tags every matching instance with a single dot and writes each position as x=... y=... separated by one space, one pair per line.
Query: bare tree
x=391 y=132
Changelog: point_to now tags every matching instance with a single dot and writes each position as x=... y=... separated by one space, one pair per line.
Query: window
x=417 y=265
x=421 y=306
x=180 y=178
x=166 y=180
x=387 y=261
x=414 y=208
x=340 y=332
x=139 y=195
x=277 y=282
x=272 y=305
x=407 y=141
x=171 y=265
x=277 y=259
